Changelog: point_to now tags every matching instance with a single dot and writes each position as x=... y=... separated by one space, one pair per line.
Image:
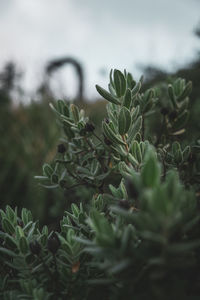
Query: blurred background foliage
x=29 y=136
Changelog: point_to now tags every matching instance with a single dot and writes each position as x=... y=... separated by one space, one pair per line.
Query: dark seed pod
x=89 y=127
x=107 y=141
x=20 y=223
x=164 y=111
x=173 y=115
x=73 y=223
x=63 y=183
x=106 y=120
x=61 y=148
x=35 y=247
x=131 y=189
x=53 y=243
x=124 y=204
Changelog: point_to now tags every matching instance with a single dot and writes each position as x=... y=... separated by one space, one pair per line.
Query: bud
x=124 y=204
x=20 y=222
x=173 y=115
x=131 y=189
x=107 y=141
x=89 y=127
x=61 y=148
x=106 y=120
x=35 y=247
x=53 y=243
x=164 y=111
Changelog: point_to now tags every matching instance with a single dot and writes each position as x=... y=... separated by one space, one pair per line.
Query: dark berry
x=124 y=204
x=61 y=148
x=106 y=120
x=173 y=115
x=20 y=223
x=89 y=127
x=35 y=247
x=53 y=243
x=107 y=141
x=164 y=111
x=131 y=189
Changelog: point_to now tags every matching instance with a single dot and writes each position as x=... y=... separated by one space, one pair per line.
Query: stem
x=123 y=138
x=46 y=268
x=143 y=127
x=164 y=168
x=89 y=144
x=56 y=270
x=127 y=150
x=97 y=137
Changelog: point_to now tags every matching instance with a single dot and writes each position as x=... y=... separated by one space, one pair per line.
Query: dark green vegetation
x=29 y=136
x=133 y=231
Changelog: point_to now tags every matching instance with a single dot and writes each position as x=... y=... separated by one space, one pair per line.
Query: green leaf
x=54 y=109
x=60 y=106
x=120 y=83
x=136 y=151
x=134 y=129
x=134 y=113
x=54 y=178
x=10 y=241
x=136 y=89
x=181 y=120
x=184 y=247
x=107 y=95
x=10 y=213
x=120 y=266
x=75 y=112
x=19 y=232
x=151 y=170
x=186 y=92
x=127 y=99
x=130 y=81
x=7 y=226
x=178 y=157
x=175 y=148
x=172 y=95
x=8 y=252
x=23 y=245
x=132 y=160
x=47 y=170
x=124 y=120
x=111 y=135
x=149 y=94
x=186 y=153
x=26 y=216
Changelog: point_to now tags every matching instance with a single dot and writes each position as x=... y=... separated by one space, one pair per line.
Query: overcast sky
x=100 y=34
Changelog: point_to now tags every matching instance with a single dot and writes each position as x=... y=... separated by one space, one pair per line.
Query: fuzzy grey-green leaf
x=124 y=121
x=127 y=99
x=107 y=95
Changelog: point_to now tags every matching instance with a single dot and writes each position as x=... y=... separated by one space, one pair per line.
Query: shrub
x=137 y=237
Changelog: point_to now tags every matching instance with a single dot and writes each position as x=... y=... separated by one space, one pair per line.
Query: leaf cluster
x=139 y=232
